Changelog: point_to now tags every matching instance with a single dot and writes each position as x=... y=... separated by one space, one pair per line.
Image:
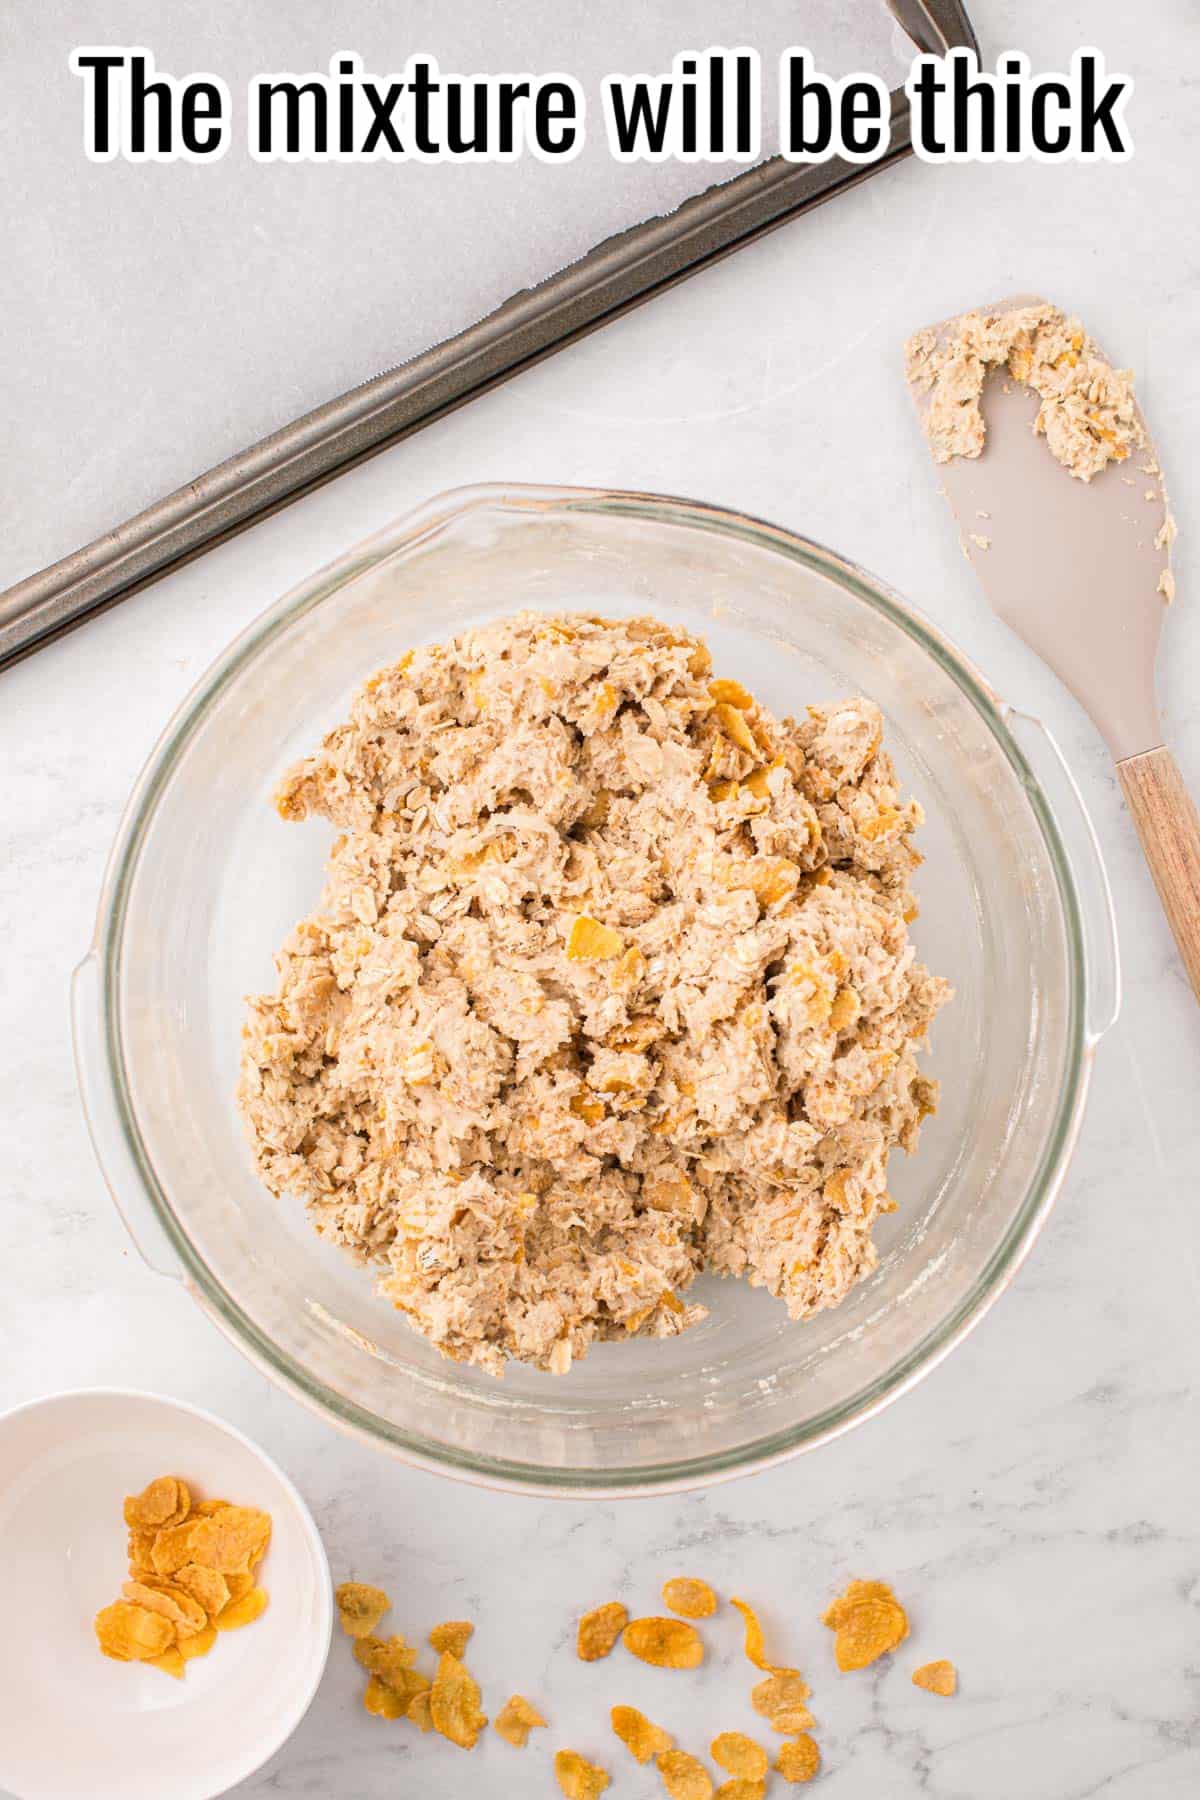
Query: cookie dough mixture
x=1088 y=412
x=610 y=982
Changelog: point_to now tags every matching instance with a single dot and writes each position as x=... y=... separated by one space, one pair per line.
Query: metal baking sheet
x=271 y=358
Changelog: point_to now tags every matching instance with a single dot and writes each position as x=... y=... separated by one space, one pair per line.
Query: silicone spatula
x=1074 y=567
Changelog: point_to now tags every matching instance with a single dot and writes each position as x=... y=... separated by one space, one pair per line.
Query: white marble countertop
x=1034 y=1501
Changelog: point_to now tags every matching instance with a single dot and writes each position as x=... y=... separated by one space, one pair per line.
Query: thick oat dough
x=1088 y=411
x=610 y=981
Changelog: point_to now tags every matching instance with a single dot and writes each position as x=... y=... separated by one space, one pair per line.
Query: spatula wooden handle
x=1169 y=827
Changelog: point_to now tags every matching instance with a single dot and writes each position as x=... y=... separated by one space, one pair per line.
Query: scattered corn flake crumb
x=241 y=1612
x=411 y=1683
x=454 y=1703
x=683 y=1777
x=360 y=1607
x=453 y=1636
x=937 y=1678
x=780 y=1699
x=1166 y=585
x=753 y=1645
x=129 y=1633
x=868 y=1621
x=516 y=1719
x=599 y=1630
x=578 y=1778
x=383 y=1701
x=738 y=1788
x=799 y=1759
x=689 y=1597
x=664 y=1643
x=978 y=539
x=389 y=1658
x=639 y=1734
x=738 y=1754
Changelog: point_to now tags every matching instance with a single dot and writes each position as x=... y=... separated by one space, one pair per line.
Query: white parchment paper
x=157 y=318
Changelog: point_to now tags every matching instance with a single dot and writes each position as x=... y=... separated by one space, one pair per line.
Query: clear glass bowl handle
x=1102 y=953
x=102 y=1114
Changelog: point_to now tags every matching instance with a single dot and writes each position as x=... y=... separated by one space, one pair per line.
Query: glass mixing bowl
x=205 y=880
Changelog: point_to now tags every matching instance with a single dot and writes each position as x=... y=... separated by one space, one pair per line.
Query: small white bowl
x=75 y=1725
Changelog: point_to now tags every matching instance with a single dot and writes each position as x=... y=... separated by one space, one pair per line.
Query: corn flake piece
x=164 y=1501
x=856 y=1591
x=799 y=1759
x=129 y=1633
x=664 y=1643
x=198 y=1643
x=734 y=727
x=381 y=1700
x=231 y=1540
x=640 y=1736
x=516 y=1719
x=740 y=1789
x=241 y=1612
x=753 y=1644
x=682 y=1776
x=578 y=1778
x=758 y=783
x=738 y=1754
x=208 y=1587
x=780 y=1699
x=732 y=693
x=360 y=1607
x=454 y=1703
x=406 y=1684
x=391 y=1659
x=689 y=1597
x=239 y=1584
x=418 y=1710
x=599 y=1630
x=937 y=1678
x=204 y=1509
x=170 y=1662
x=172 y=1548
x=868 y=1621
x=184 y=1613
x=140 y=1549
x=453 y=1636
x=589 y=941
